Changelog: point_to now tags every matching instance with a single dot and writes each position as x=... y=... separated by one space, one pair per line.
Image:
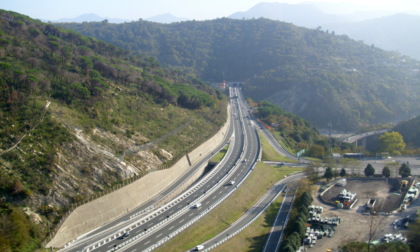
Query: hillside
x=318 y=75
x=394 y=33
x=79 y=116
x=410 y=130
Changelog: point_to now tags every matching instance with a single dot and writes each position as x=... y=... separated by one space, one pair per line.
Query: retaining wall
x=113 y=205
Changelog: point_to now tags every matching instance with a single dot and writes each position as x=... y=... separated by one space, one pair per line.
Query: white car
x=232 y=182
x=199 y=247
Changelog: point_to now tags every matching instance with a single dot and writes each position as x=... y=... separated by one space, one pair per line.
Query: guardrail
x=165 y=239
x=156 y=213
x=162 y=209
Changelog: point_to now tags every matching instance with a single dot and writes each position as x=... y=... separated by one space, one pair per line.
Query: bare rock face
x=95 y=162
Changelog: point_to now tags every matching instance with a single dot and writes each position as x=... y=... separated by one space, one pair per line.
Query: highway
x=357 y=137
x=276 y=234
x=147 y=231
x=255 y=211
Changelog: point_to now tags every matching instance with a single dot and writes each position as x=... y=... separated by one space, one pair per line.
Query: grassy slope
x=269 y=154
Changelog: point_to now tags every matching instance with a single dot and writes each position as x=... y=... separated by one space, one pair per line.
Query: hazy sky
x=191 y=9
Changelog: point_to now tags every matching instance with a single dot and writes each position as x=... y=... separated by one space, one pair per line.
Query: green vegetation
x=59 y=90
x=253 y=237
x=18 y=232
x=410 y=131
x=219 y=156
x=343 y=172
x=405 y=170
x=230 y=209
x=318 y=75
x=414 y=234
x=369 y=170
x=269 y=153
x=328 y=173
x=391 y=142
x=296 y=226
x=386 y=172
x=296 y=132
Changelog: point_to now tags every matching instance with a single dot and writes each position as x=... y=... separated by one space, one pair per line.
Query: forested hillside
x=79 y=116
x=410 y=130
x=315 y=74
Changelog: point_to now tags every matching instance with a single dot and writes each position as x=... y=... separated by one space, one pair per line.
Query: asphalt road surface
x=145 y=232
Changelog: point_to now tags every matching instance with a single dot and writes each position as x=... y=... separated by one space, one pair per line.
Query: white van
x=199 y=247
x=197 y=205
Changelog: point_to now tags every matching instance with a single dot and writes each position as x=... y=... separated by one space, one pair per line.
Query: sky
x=190 y=9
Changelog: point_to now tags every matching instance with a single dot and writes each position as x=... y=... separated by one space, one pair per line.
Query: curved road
x=147 y=231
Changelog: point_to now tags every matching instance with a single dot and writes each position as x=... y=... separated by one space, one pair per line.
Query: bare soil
x=355 y=225
x=385 y=191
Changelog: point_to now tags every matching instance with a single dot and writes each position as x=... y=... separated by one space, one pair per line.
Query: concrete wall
x=113 y=205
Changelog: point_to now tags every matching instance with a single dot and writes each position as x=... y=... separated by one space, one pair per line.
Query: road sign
x=300 y=153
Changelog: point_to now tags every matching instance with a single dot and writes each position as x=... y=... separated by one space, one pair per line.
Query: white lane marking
x=146 y=242
x=159 y=235
x=170 y=227
x=181 y=221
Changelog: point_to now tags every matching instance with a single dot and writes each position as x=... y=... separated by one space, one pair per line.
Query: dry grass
x=253 y=238
x=270 y=154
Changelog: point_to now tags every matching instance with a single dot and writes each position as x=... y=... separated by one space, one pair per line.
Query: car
x=199 y=247
x=282 y=164
x=197 y=205
x=232 y=182
x=125 y=235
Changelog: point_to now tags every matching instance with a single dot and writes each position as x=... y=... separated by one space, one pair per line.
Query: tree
x=413 y=235
x=369 y=170
x=405 y=171
x=300 y=227
x=386 y=172
x=306 y=199
x=392 y=142
x=295 y=240
x=328 y=173
x=343 y=172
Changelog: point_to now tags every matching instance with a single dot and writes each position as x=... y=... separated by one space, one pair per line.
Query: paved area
x=385 y=191
x=355 y=226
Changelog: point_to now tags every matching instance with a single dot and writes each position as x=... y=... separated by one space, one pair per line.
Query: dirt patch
x=356 y=226
x=385 y=191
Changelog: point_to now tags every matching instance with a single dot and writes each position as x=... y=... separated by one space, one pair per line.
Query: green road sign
x=300 y=153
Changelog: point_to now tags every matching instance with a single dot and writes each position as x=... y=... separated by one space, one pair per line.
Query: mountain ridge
x=81 y=117
x=278 y=61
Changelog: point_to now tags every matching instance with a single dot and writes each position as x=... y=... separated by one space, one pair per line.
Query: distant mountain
x=165 y=19
x=387 y=30
x=310 y=14
x=312 y=73
x=396 y=33
x=306 y=15
x=91 y=17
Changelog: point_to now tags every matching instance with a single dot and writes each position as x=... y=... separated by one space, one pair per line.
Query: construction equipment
x=404 y=184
